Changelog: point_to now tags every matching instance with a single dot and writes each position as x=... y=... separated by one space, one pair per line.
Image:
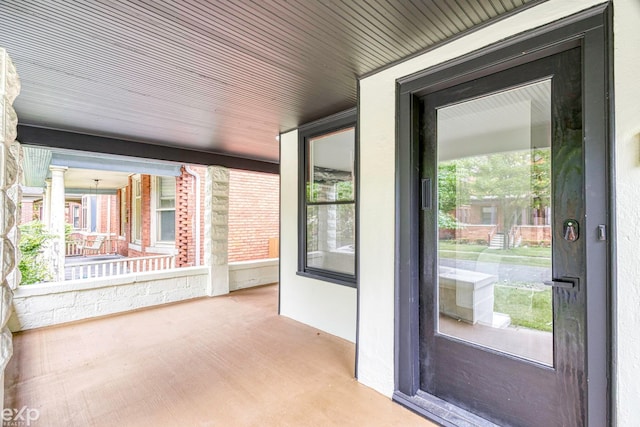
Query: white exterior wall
x=47 y=304
x=377 y=180
x=323 y=305
x=627 y=145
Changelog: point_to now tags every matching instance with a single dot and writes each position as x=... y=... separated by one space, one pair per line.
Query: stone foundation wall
x=47 y=304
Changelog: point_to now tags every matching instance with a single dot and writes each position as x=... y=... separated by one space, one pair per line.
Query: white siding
x=627 y=146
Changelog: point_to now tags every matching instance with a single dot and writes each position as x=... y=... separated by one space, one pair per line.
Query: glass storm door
x=502 y=308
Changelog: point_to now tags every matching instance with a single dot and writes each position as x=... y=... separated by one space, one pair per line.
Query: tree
x=514 y=181
x=33 y=239
x=453 y=191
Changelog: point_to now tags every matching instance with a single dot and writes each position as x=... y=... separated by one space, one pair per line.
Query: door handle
x=564 y=283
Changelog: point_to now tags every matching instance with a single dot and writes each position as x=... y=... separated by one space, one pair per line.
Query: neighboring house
x=159 y=215
x=165 y=214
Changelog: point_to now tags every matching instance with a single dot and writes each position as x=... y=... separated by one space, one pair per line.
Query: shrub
x=33 y=239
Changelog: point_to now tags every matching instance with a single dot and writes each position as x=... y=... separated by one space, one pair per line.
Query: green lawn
x=528 y=308
x=526 y=303
x=531 y=256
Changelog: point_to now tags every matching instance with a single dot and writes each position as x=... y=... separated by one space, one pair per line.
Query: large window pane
x=331 y=167
x=165 y=208
x=136 y=216
x=331 y=237
x=167 y=226
x=494 y=250
x=166 y=192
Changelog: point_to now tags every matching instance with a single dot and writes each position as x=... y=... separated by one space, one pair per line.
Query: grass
x=531 y=256
x=528 y=308
x=528 y=304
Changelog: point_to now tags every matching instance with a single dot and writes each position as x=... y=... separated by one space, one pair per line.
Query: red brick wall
x=145 y=235
x=107 y=214
x=475 y=233
x=186 y=201
x=253 y=214
x=27 y=213
x=536 y=234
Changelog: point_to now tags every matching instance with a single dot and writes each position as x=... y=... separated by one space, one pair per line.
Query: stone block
x=6 y=296
x=11 y=168
x=466 y=295
x=8 y=121
x=9 y=80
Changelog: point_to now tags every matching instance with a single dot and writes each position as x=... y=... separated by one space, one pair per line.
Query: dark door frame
x=589 y=29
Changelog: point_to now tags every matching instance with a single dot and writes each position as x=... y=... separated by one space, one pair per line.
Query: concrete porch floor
x=225 y=361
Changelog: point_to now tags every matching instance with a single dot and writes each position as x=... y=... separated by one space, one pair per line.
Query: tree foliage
x=33 y=239
x=513 y=181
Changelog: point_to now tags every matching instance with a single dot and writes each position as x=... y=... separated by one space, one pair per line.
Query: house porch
x=224 y=361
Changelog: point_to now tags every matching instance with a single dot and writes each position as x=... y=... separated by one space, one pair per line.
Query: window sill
x=351 y=283
x=158 y=248
x=135 y=246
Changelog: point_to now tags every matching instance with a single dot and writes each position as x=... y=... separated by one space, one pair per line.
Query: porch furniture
x=93 y=247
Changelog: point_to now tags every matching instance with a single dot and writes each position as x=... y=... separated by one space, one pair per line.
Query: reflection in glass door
x=494 y=221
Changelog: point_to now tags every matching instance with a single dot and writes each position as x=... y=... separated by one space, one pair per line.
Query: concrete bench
x=466 y=295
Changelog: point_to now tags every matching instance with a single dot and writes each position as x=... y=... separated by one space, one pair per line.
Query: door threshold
x=440 y=411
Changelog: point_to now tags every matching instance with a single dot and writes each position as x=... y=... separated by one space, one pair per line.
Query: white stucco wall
x=377 y=180
x=323 y=305
x=46 y=304
x=627 y=145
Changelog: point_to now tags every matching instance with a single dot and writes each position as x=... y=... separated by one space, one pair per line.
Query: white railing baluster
x=121 y=266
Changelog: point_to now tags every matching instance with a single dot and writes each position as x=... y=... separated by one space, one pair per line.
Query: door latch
x=426 y=193
x=570 y=230
x=564 y=283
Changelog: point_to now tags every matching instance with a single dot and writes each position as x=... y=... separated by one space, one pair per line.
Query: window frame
x=337 y=122
x=122 y=192
x=156 y=211
x=136 y=223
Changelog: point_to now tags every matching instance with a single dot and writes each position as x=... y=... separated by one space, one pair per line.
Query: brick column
x=184 y=220
x=216 y=229
x=9 y=202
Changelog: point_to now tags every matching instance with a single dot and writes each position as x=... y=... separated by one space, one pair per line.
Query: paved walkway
x=505 y=272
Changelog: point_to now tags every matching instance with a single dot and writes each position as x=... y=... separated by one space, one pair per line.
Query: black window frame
x=334 y=123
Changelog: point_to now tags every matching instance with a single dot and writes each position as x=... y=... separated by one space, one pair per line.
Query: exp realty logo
x=22 y=417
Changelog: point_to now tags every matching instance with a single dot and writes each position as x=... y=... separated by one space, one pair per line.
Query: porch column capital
x=58 y=169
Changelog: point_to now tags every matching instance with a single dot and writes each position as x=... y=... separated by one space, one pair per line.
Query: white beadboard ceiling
x=214 y=76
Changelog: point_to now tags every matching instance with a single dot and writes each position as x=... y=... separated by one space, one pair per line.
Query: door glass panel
x=494 y=221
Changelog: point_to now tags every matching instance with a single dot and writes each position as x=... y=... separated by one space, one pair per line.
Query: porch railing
x=121 y=266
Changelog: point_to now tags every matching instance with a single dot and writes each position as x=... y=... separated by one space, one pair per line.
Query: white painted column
x=46 y=204
x=58 y=219
x=9 y=201
x=216 y=229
